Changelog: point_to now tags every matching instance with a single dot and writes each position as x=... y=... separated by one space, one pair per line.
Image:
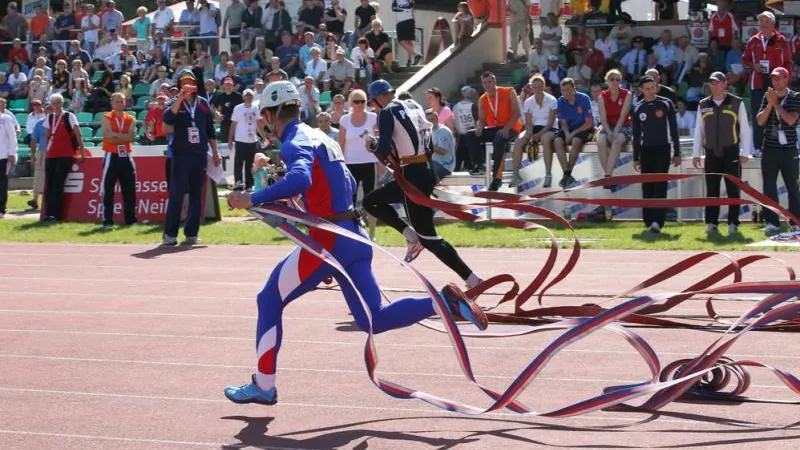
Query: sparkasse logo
x=74 y=182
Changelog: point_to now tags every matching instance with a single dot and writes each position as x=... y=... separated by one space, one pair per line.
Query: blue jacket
x=204 y=121
x=314 y=168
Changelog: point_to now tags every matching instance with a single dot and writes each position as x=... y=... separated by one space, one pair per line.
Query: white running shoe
x=733 y=228
x=711 y=229
x=771 y=229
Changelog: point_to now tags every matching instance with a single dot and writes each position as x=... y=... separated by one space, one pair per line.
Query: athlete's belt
x=406 y=160
x=347 y=215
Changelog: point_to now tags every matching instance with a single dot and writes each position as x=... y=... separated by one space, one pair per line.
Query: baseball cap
x=248 y=92
x=36 y=101
x=780 y=72
x=717 y=76
x=552 y=58
x=340 y=51
x=768 y=15
x=259 y=81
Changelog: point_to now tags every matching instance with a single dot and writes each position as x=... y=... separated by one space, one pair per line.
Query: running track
x=121 y=347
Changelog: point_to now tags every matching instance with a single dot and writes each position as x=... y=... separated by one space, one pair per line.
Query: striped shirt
x=790 y=103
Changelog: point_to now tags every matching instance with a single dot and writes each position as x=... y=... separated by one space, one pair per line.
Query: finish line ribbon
x=770 y=311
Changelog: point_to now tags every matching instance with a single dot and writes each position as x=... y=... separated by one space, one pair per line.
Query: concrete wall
x=450 y=70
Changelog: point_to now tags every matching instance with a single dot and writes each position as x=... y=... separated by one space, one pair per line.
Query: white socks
x=410 y=235
x=473 y=280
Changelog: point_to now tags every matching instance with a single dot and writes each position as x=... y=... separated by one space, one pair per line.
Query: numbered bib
x=122 y=151
x=194 y=135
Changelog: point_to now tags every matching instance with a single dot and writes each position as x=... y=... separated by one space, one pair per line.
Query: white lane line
x=339 y=371
x=94 y=437
x=598 y=416
x=379 y=343
x=410 y=291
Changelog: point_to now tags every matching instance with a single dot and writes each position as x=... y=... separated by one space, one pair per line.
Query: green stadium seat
x=86 y=133
x=4 y=67
x=325 y=98
x=23 y=153
x=98 y=135
x=683 y=88
x=22 y=118
x=141 y=103
x=98 y=118
x=19 y=106
x=84 y=118
x=519 y=75
x=98 y=75
x=141 y=89
x=23 y=133
x=141 y=116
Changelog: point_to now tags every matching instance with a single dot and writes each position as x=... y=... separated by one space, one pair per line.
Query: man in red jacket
x=765 y=51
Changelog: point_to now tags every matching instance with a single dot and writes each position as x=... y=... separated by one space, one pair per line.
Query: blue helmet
x=379 y=87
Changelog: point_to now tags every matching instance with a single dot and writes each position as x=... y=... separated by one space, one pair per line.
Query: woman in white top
x=540 y=126
x=18 y=81
x=362 y=56
x=221 y=70
x=360 y=161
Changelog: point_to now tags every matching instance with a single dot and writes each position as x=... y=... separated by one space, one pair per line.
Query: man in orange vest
x=119 y=130
x=498 y=121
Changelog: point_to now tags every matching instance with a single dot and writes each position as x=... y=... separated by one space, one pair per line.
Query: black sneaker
x=495 y=185
x=33 y=204
x=463 y=307
x=417 y=60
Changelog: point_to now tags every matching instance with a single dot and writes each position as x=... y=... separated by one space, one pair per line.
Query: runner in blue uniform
x=316 y=170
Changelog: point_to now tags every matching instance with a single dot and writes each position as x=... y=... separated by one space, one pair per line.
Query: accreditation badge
x=122 y=151
x=194 y=135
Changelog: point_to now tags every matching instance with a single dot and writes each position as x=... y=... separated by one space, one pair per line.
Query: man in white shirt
x=8 y=157
x=208 y=26
x=685 y=56
x=244 y=123
x=606 y=44
x=163 y=20
x=309 y=94
x=537 y=61
x=666 y=53
x=465 y=114
x=443 y=159
x=551 y=35
x=35 y=116
x=316 y=67
x=540 y=121
x=90 y=26
x=580 y=72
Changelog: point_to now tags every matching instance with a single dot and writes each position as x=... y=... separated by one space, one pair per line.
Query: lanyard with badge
x=764 y=62
x=494 y=108
x=122 y=149
x=56 y=123
x=194 y=132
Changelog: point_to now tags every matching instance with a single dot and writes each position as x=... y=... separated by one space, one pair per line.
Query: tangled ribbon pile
x=708 y=374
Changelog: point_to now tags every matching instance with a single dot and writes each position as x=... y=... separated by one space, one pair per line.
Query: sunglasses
x=615 y=79
x=359 y=102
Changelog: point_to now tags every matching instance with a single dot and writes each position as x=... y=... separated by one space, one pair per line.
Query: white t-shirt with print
x=246 y=119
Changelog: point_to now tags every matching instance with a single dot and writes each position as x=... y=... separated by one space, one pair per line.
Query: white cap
x=552 y=58
x=768 y=15
x=248 y=91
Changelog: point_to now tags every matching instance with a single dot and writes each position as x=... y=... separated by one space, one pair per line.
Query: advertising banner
x=83 y=202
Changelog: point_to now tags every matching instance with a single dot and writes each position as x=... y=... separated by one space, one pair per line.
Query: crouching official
x=655 y=133
x=119 y=130
x=722 y=129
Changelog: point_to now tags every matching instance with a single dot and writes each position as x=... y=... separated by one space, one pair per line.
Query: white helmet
x=280 y=93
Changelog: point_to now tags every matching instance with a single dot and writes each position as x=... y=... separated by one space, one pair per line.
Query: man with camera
x=192 y=119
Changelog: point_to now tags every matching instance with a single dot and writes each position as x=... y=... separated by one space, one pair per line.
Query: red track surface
x=118 y=347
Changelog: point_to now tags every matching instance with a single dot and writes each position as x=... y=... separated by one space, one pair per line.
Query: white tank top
x=465 y=121
x=355 y=149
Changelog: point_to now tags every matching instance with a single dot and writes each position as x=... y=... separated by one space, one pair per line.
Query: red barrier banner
x=84 y=203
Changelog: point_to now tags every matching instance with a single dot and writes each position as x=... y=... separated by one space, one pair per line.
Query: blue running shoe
x=463 y=307
x=251 y=393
